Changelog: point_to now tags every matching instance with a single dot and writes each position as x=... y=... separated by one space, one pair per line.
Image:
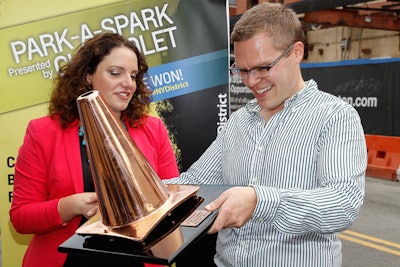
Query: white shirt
x=307 y=166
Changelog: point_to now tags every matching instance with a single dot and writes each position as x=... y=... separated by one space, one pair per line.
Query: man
x=295 y=156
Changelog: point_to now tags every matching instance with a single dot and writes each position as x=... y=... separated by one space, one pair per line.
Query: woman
x=53 y=189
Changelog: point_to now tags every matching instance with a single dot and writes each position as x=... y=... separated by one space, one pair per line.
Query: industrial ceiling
x=317 y=14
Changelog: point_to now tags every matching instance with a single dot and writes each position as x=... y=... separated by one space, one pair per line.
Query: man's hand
x=236 y=206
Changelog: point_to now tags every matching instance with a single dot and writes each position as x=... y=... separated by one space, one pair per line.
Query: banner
x=185 y=43
x=369 y=85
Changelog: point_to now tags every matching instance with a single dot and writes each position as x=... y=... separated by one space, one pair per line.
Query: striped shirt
x=307 y=165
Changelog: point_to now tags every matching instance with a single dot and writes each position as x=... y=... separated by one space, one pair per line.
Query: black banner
x=371 y=86
x=193 y=119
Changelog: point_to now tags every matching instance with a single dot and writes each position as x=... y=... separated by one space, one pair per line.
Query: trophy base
x=151 y=229
x=170 y=249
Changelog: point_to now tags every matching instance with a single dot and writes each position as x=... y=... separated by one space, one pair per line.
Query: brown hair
x=275 y=20
x=71 y=80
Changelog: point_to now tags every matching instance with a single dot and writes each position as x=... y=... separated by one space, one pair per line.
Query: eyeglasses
x=257 y=72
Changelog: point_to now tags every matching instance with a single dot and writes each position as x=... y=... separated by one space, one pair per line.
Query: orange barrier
x=383 y=157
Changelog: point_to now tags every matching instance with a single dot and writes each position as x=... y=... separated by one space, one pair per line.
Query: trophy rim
x=139 y=229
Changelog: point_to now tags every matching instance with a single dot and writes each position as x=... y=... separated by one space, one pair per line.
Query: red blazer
x=49 y=167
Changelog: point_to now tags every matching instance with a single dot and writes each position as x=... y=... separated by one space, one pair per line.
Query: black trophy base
x=180 y=233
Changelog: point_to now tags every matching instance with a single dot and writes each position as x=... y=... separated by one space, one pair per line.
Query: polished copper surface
x=132 y=198
x=140 y=229
x=127 y=186
x=168 y=245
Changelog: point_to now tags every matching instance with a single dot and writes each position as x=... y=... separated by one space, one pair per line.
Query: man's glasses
x=257 y=72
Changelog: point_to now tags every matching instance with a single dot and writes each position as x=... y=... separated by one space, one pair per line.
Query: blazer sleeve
x=32 y=211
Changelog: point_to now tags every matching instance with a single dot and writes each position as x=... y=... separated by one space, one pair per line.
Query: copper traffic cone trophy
x=133 y=202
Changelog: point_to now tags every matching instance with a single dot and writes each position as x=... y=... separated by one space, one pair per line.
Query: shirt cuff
x=268 y=200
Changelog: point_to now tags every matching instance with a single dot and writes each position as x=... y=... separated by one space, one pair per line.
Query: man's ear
x=298 y=49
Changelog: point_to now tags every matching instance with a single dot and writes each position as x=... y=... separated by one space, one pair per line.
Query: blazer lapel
x=73 y=156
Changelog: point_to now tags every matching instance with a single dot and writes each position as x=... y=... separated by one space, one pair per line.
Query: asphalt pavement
x=374 y=239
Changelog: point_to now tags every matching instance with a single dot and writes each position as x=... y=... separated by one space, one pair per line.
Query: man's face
x=284 y=76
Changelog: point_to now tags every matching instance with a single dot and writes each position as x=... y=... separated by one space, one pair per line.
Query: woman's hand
x=84 y=204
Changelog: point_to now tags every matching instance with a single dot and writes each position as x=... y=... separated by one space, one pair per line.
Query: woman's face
x=114 y=78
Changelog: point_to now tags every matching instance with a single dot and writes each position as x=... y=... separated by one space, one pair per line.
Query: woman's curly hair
x=71 y=80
